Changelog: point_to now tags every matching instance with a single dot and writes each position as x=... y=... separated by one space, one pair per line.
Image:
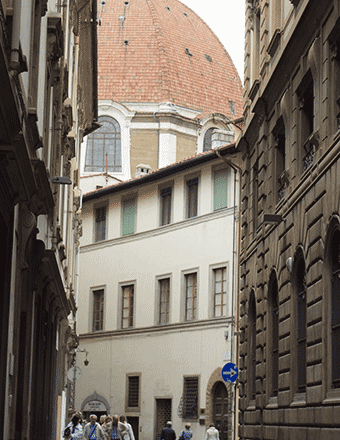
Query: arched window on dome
x=207 y=142
x=103 y=150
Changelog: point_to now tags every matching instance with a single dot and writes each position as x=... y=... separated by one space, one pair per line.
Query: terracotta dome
x=161 y=51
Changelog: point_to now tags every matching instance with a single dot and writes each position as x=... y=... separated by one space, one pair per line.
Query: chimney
x=142 y=170
x=221 y=137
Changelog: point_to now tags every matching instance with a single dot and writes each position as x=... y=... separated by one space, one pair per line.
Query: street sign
x=229 y=372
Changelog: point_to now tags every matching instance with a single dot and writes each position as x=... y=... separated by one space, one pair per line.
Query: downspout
x=14 y=64
x=235 y=279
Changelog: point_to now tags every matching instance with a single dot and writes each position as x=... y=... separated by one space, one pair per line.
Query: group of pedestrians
x=110 y=428
x=169 y=434
x=117 y=428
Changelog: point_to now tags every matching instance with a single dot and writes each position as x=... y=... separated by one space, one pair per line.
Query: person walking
x=107 y=428
x=168 y=433
x=128 y=435
x=74 y=429
x=93 y=430
x=212 y=433
x=186 y=434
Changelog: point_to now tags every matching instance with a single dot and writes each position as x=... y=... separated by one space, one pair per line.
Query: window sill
x=299 y=399
x=272 y=403
x=333 y=396
x=251 y=406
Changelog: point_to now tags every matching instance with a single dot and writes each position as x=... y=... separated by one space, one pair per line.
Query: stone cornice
x=168 y=328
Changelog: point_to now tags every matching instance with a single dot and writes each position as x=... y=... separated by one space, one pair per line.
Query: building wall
x=162 y=354
x=144 y=148
x=296 y=251
x=42 y=122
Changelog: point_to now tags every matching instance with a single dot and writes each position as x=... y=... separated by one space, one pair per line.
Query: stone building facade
x=48 y=102
x=290 y=225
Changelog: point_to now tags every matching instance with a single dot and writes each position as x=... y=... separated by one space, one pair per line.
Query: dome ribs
x=162 y=51
x=171 y=55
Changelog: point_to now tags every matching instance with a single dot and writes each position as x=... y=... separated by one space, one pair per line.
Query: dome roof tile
x=162 y=51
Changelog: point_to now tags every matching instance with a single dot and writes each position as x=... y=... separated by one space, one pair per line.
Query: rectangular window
x=100 y=226
x=190 y=296
x=166 y=206
x=190 y=398
x=128 y=293
x=192 y=197
x=220 y=292
x=129 y=215
x=220 y=189
x=164 y=300
x=305 y=94
x=133 y=391
x=98 y=310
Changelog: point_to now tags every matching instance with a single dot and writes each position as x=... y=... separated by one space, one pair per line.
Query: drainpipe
x=16 y=36
x=235 y=279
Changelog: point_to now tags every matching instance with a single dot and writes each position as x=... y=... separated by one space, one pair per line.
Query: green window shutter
x=129 y=212
x=220 y=189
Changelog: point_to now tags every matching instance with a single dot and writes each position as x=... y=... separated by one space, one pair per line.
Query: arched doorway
x=221 y=410
x=95 y=404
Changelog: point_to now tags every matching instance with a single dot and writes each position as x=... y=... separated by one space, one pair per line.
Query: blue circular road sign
x=229 y=372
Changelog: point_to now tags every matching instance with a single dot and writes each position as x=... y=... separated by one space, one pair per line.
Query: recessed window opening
x=126 y=42
x=232 y=107
x=335 y=304
x=126 y=3
x=301 y=325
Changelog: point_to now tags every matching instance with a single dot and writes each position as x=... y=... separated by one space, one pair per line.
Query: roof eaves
x=161 y=173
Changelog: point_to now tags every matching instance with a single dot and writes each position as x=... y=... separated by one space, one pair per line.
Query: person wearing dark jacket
x=168 y=433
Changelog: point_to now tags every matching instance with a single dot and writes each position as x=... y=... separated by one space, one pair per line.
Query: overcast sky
x=226 y=18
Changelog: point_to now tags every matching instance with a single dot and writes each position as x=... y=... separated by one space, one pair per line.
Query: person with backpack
x=74 y=430
x=93 y=430
x=186 y=434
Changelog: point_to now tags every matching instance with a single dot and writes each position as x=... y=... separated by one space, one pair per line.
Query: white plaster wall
x=162 y=354
x=146 y=257
x=148 y=203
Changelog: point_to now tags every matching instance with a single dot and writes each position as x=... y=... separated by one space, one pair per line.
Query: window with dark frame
x=103 y=150
x=192 y=197
x=301 y=324
x=280 y=151
x=335 y=304
x=98 y=310
x=100 y=223
x=133 y=391
x=128 y=293
x=220 y=292
x=274 y=334
x=164 y=300
x=190 y=398
x=306 y=96
x=252 y=345
x=190 y=296
x=166 y=206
